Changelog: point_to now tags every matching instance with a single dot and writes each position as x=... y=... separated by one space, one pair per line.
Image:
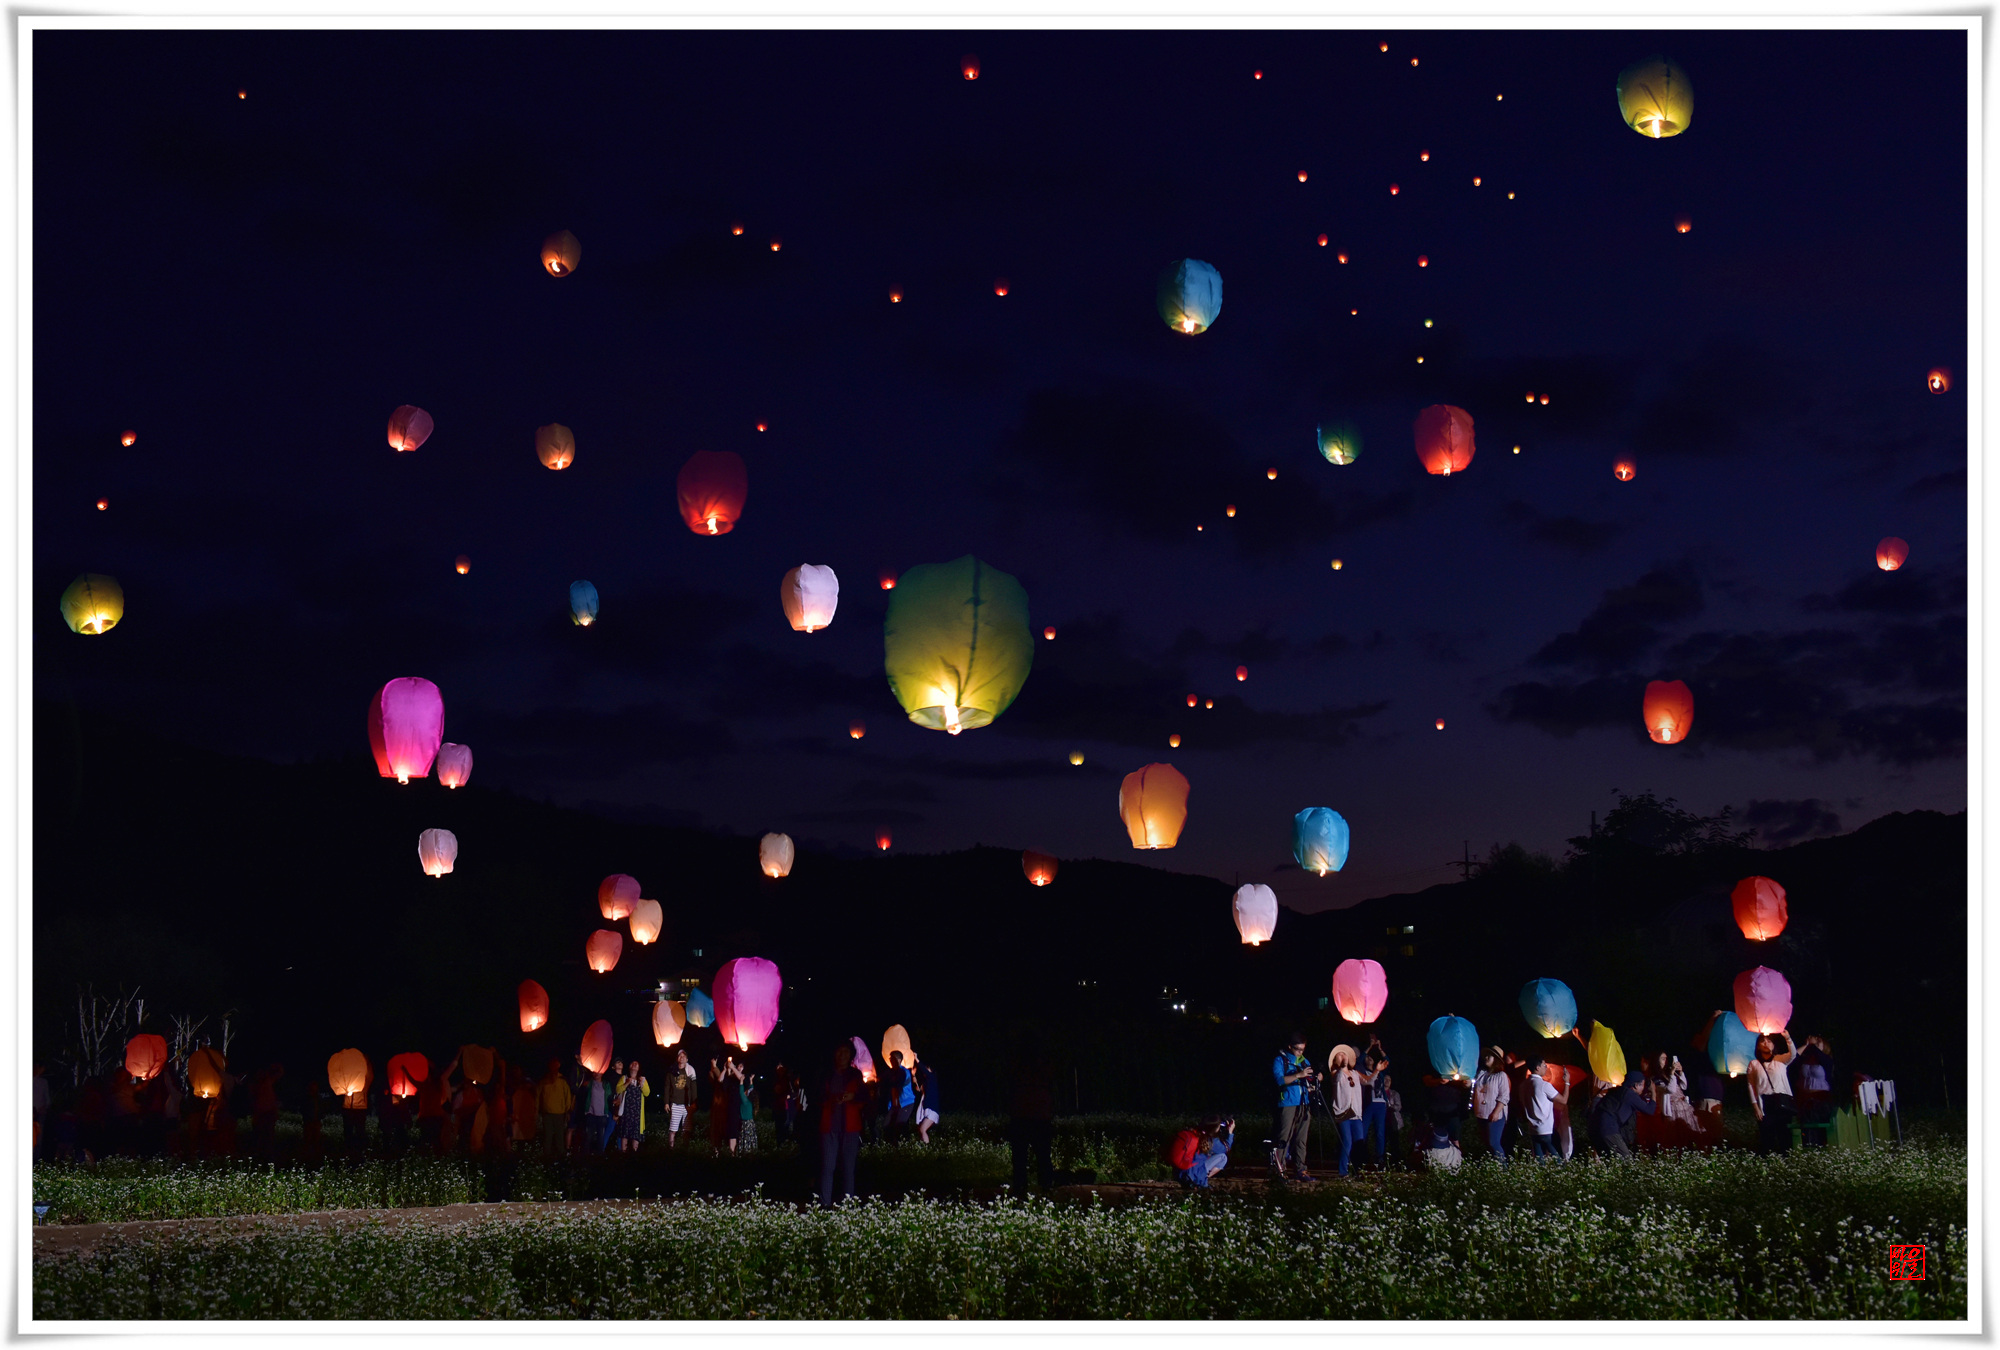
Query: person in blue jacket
x=899 y=1097
x=1218 y=1136
x=1293 y=1075
x=1615 y=1109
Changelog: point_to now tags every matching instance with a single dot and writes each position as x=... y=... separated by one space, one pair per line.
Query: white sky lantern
x=669 y=1020
x=1256 y=913
x=810 y=594
x=775 y=854
x=438 y=850
x=647 y=920
x=453 y=765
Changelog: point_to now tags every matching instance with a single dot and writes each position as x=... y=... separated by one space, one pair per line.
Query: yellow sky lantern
x=93 y=604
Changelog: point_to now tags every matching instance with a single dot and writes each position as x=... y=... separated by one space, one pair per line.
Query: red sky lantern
x=1038 y=867
x=1891 y=553
x=1192 y=700
x=602 y=949
x=463 y=564
x=1444 y=438
x=1242 y=673
x=616 y=895
x=1669 y=711
x=1623 y=470
x=1256 y=74
x=1425 y=156
x=1000 y=286
x=1440 y=724
x=776 y=243
x=1342 y=257
x=145 y=1056
x=713 y=485
x=857 y=729
x=1322 y=241
x=1049 y=633
x=1423 y=261
x=1302 y=175
x=129 y=438
x=1759 y=905
x=596 y=1049
x=406 y=1071
x=895 y=295
x=1393 y=189
x=736 y=227
x=104 y=503
x=405 y=727
x=887 y=578
x=882 y=840
x=409 y=427
x=534 y=1001
x=1682 y=225
x=968 y=66
x=1937 y=382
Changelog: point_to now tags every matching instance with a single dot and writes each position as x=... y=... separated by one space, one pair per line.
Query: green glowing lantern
x=1339 y=442
x=956 y=643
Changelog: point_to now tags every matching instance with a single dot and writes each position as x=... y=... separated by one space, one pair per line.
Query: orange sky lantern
x=104 y=503
x=1440 y=724
x=1444 y=439
x=348 y=1074
x=1229 y=511
x=561 y=252
x=736 y=227
x=464 y=564
x=1000 y=286
x=1242 y=673
x=204 y=1071
x=602 y=949
x=857 y=729
x=968 y=66
x=1891 y=553
x=1937 y=382
x=1152 y=802
x=534 y=1003
x=1174 y=741
x=1669 y=711
x=895 y=295
x=409 y=427
x=1302 y=175
x=1049 y=633
x=145 y=1056
x=1760 y=909
x=1038 y=867
x=129 y=438
x=646 y=922
x=1322 y=241
x=595 y=1052
x=776 y=243
x=1682 y=225
x=1423 y=261
x=1341 y=256
x=555 y=445
x=669 y=1021
x=1623 y=470
x=882 y=840
x=712 y=487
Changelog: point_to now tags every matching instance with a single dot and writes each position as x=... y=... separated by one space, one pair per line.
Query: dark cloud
x=1952 y=481
x=1568 y=532
x=1626 y=623
x=1900 y=592
x=1709 y=400
x=1787 y=822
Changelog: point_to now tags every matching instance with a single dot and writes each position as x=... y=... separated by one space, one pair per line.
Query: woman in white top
x=1771 y=1094
x=1345 y=1095
x=1491 y=1092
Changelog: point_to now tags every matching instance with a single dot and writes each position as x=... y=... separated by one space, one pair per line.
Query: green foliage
x=120 y=1190
x=1649 y=826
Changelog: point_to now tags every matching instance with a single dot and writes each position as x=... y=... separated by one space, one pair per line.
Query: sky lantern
x=145 y=1056
x=1049 y=633
x=104 y=503
x=863 y=1060
x=1669 y=710
x=1319 y=840
x=405 y=727
x=1731 y=1045
x=1549 y=1007
x=669 y=1021
x=405 y=1072
x=463 y=564
x=437 y=850
x=1440 y=724
x=595 y=1052
x=129 y=439
x=1153 y=804
x=883 y=839
x=810 y=593
x=968 y=66
x=409 y=427
x=1255 y=908
x=1076 y=759
x=897 y=1038
x=348 y=1072
x=1360 y=990
x=1038 y=867
x=616 y=895
x=601 y=949
x=582 y=604
x=534 y=1001
x=857 y=729
x=1682 y=224
x=700 y=1009
x=93 y=604
x=204 y=1070
x=1624 y=470
x=1242 y=673
x=1607 y=1060
x=887 y=577
x=1444 y=438
x=1759 y=906
x=1193 y=701
x=1339 y=442
x=1890 y=554
x=712 y=486
x=1655 y=97
x=477 y=1063
x=555 y=445
x=1763 y=1000
x=775 y=855
x=1174 y=741
x=746 y=1000
x=1937 y=382
x=957 y=647
x=1190 y=296
x=561 y=252
x=1453 y=1044
x=453 y=765
x=647 y=920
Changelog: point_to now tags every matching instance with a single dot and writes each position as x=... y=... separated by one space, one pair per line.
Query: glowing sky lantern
x=129 y=439
x=1242 y=673
x=348 y=1072
x=1549 y=1007
x=968 y=66
x=1937 y=381
x=1153 y=804
x=897 y=1038
x=956 y=643
x=1319 y=840
x=1763 y=1000
x=93 y=604
x=406 y=1072
x=1444 y=438
x=862 y=1059
x=1624 y=470
x=1453 y=1044
x=555 y=445
x=409 y=427
x=1339 y=442
x=616 y=895
x=1076 y=759
x=1655 y=97
x=746 y=1000
x=712 y=486
x=205 y=1068
x=1759 y=906
x=775 y=855
x=437 y=850
x=1890 y=554
x=582 y=604
x=1255 y=908
x=145 y=1056
x=669 y=1021
x=700 y=1009
x=1731 y=1045
x=810 y=593
x=601 y=949
x=405 y=727
x=647 y=920
x=887 y=578
x=534 y=1005
x=883 y=840
x=1669 y=711
x=462 y=564
x=453 y=765
x=857 y=729
x=595 y=1052
x=1190 y=296
x=1038 y=867
x=1607 y=1060
x=1360 y=990
x=561 y=253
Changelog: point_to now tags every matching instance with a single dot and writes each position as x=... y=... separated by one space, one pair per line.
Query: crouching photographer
x=1199 y=1153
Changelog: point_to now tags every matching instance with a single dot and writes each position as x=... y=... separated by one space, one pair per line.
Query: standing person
x=1291 y=1123
x=927 y=1100
x=1031 y=1112
x=1491 y=1095
x=1375 y=1109
x=525 y=1113
x=1812 y=1088
x=393 y=1116
x=841 y=1105
x=719 y=1114
x=1618 y=1104
x=122 y=1106
x=899 y=1097
x=1771 y=1094
x=784 y=1115
x=632 y=1108
x=614 y=1096
x=1207 y=1147
x=680 y=1098
x=1447 y=1102
x=746 y=1108
x=1538 y=1110
x=354 y=1121
x=1392 y=1124
x=1345 y=1096
x=1670 y=1094
x=1708 y=1105
x=596 y=1099
x=555 y=1100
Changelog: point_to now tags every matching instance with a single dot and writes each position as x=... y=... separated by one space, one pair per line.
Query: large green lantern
x=1339 y=442
x=1655 y=97
x=956 y=643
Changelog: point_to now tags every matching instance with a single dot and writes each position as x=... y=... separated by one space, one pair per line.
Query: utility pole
x=1465 y=863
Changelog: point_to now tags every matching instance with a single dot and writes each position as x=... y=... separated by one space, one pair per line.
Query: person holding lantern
x=1771 y=1094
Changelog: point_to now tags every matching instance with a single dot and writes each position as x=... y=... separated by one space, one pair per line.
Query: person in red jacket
x=840 y=1115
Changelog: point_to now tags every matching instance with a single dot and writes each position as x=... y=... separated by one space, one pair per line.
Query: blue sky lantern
x=700 y=1009
x=1454 y=1046
x=1319 y=840
x=1549 y=1007
x=1731 y=1045
x=582 y=603
x=1190 y=296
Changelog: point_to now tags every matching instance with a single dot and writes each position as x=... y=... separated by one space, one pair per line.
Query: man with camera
x=1296 y=1081
x=1199 y=1153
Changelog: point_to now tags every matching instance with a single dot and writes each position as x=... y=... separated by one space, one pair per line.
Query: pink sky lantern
x=405 y=727
x=616 y=896
x=647 y=920
x=1763 y=1000
x=862 y=1059
x=596 y=1050
x=409 y=427
x=1360 y=990
x=406 y=1071
x=534 y=1001
x=454 y=765
x=746 y=1000
x=602 y=950
x=1759 y=905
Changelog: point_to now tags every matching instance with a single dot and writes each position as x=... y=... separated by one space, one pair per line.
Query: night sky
x=253 y=284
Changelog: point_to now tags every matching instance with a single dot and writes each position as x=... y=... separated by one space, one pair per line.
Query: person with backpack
x=1199 y=1153
x=1291 y=1123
